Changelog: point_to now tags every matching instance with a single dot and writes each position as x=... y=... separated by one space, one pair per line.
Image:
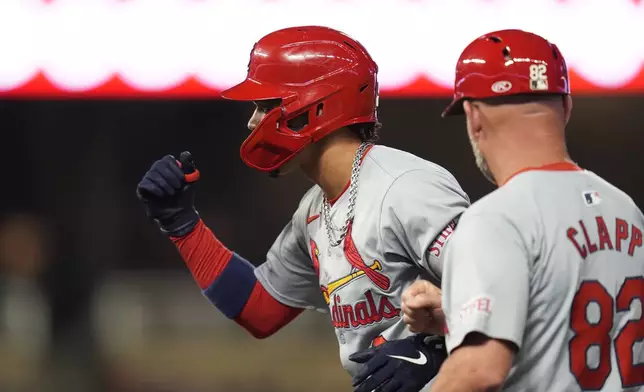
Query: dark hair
x=367 y=132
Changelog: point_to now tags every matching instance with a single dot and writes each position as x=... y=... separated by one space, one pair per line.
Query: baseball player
x=375 y=220
x=544 y=278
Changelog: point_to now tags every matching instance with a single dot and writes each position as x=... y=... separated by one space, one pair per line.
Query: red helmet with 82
x=322 y=77
x=508 y=62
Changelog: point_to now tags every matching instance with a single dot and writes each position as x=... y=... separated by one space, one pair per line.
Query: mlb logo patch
x=591 y=198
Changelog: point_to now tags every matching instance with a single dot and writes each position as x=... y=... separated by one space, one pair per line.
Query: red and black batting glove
x=167 y=192
x=404 y=365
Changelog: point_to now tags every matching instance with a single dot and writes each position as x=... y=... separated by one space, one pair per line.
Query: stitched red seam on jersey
x=206 y=257
x=558 y=166
x=333 y=200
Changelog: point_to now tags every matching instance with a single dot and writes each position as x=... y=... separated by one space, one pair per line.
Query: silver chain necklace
x=353 y=191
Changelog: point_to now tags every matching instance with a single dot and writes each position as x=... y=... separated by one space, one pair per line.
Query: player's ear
x=470 y=110
x=467 y=108
x=567 y=102
x=473 y=116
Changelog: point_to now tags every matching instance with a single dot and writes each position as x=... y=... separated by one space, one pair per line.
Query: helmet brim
x=252 y=90
x=454 y=108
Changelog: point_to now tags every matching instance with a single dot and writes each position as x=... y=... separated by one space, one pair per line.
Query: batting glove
x=404 y=365
x=167 y=192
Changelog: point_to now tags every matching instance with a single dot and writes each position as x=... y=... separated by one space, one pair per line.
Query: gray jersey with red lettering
x=553 y=262
x=405 y=209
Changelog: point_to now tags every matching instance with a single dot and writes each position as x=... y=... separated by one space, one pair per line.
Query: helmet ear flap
x=311 y=115
x=271 y=143
x=299 y=122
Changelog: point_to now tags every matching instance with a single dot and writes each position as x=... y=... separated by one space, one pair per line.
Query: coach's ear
x=473 y=119
x=567 y=108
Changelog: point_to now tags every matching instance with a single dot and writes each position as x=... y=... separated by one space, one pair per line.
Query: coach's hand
x=167 y=192
x=404 y=365
x=422 y=309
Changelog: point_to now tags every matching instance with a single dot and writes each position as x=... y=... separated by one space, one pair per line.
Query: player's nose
x=255 y=119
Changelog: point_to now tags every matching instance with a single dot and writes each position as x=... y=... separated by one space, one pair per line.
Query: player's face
x=474 y=131
x=261 y=108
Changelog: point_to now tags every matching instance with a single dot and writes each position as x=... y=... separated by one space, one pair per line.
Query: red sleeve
x=263 y=315
x=206 y=258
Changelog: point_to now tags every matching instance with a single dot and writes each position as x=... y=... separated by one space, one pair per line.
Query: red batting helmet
x=508 y=62
x=321 y=76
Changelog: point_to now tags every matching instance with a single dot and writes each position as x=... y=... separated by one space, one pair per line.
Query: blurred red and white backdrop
x=196 y=48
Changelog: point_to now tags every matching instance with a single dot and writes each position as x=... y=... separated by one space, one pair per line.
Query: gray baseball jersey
x=552 y=261
x=405 y=210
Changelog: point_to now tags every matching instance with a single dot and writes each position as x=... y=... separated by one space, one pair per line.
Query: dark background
x=77 y=163
x=68 y=190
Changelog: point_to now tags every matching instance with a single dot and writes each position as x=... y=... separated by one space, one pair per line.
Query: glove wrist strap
x=180 y=226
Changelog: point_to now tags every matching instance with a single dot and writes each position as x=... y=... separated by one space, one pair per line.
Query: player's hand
x=167 y=192
x=404 y=365
x=422 y=309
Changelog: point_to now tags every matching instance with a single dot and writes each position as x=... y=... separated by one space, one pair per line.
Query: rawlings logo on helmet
x=502 y=86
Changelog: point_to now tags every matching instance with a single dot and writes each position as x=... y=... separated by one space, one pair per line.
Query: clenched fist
x=422 y=309
x=166 y=191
